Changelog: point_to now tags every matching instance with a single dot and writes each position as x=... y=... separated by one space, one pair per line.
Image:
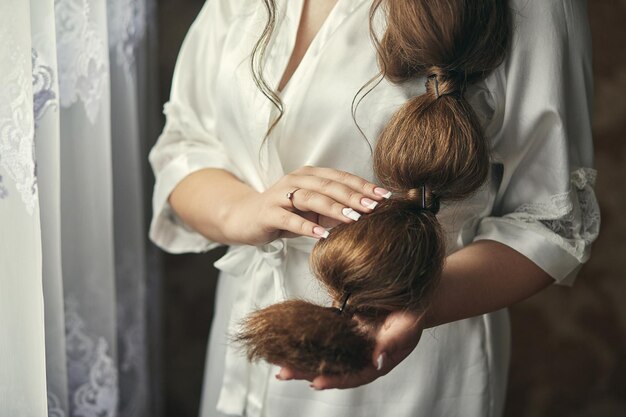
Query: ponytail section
x=310 y=338
x=436 y=138
x=431 y=151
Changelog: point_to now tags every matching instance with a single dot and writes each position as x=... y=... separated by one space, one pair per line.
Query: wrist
x=234 y=218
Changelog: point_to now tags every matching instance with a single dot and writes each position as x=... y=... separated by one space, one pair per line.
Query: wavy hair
x=432 y=150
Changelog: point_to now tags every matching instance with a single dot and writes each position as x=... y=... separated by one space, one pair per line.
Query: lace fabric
x=571 y=219
x=92 y=371
x=81 y=55
x=54 y=406
x=18 y=123
x=44 y=96
x=127 y=28
x=58 y=282
x=17 y=126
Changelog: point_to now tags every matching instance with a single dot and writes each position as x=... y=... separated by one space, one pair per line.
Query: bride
x=275 y=108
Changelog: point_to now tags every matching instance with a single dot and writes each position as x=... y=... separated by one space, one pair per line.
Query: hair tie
x=423 y=187
x=434 y=201
x=421 y=200
x=344 y=303
x=434 y=77
x=446 y=82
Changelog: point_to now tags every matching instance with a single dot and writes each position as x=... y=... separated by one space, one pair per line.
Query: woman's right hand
x=325 y=197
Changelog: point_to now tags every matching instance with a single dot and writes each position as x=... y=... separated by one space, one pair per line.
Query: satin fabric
x=535 y=111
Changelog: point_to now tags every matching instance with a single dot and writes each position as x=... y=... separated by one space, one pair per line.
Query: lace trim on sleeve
x=571 y=220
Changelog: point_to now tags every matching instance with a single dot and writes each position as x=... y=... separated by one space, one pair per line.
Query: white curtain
x=76 y=109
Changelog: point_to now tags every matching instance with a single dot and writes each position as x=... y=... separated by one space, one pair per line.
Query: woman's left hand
x=395 y=340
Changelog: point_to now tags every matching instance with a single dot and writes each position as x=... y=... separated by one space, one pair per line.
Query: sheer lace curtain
x=75 y=86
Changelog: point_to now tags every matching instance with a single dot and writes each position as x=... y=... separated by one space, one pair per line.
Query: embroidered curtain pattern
x=74 y=269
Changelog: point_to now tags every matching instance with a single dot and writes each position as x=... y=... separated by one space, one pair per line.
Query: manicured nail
x=321 y=232
x=380 y=362
x=382 y=192
x=351 y=214
x=369 y=203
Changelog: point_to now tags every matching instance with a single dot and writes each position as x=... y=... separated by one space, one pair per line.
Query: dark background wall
x=569 y=345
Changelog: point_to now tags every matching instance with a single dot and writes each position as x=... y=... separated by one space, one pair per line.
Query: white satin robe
x=539 y=200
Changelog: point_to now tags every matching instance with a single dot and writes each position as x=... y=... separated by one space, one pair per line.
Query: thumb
x=386 y=347
x=396 y=337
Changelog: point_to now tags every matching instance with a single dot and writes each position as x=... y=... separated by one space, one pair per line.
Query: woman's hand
x=325 y=197
x=395 y=340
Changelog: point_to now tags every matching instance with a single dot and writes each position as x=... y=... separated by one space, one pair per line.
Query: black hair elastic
x=341 y=309
x=423 y=186
x=434 y=201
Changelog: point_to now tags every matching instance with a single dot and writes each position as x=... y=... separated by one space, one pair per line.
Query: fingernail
x=279 y=377
x=369 y=203
x=321 y=232
x=382 y=192
x=348 y=212
x=314 y=387
x=380 y=362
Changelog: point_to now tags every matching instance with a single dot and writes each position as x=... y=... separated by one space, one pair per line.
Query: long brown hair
x=431 y=151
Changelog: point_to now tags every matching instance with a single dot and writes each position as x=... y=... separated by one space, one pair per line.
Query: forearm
x=204 y=199
x=482 y=277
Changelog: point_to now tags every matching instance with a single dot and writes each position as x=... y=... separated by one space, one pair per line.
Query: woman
x=222 y=180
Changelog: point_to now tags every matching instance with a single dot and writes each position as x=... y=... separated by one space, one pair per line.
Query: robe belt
x=260 y=271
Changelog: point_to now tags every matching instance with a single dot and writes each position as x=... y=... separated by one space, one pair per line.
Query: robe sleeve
x=188 y=142
x=546 y=207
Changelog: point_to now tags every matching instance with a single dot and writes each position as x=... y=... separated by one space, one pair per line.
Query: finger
x=355 y=182
x=340 y=192
x=396 y=337
x=291 y=222
x=366 y=376
x=313 y=201
x=286 y=374
x=311 y=216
